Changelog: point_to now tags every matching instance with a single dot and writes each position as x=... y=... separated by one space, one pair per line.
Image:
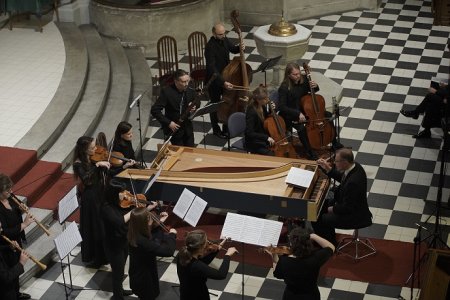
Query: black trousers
x=433 y=109
x=184 y=136
x=117 y=254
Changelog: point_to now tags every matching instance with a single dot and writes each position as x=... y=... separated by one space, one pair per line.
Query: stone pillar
x=77 y=12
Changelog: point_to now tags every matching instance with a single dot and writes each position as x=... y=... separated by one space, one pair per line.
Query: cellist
x=295 y=85
x=217 y=56
x=257 y=139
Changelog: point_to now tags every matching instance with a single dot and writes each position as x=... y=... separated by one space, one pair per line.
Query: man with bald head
x=217 y=55
x=348 y=209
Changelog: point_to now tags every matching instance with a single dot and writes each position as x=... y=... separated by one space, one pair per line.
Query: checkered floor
x=384 y=60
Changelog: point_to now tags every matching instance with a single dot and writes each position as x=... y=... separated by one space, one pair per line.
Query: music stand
x=207 y=109
x=268 y=64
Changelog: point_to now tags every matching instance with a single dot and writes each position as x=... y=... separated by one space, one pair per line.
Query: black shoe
x=424 y=134
x=410 y=113
x=127 y=292
x=219 y=134
x=93 y=265
x=23 y=296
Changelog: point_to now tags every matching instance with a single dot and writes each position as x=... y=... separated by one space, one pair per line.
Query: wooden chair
x=16 y=8
x=197 y=64
x=167 y=59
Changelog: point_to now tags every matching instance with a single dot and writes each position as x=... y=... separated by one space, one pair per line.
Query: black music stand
x=207 y=109
x=268 y=64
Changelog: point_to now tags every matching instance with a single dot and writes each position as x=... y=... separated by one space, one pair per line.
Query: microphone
x=135 y=100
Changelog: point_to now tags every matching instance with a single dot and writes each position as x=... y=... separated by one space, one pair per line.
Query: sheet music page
x=271 y=233
x=252 y=230
x=195 y=211
x=233 y=226
x=299 y=177
x=67 y=240
x=67 y=205
x=184 y=202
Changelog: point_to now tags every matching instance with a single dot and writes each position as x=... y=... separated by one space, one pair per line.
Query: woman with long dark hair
x=144 y=247
x=91 y=183
x=193 y=266
x=122 y=143
x=300 y=270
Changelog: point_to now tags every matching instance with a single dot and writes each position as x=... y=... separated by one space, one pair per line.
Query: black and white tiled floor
x=384 y=60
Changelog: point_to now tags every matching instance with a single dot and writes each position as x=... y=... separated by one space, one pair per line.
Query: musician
x=91 y=184
x=193 y=266
x=295 y=85
x=217 y=56
x=434 y=107
x=176 y=99
x=10 y=272
x=13 y=227
x=300 y=270
x=122 y=143
x=144 y=247
x=256 y=138
x=349 y=208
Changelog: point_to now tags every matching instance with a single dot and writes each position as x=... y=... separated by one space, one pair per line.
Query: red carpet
x=391 y=265
x=15 y=162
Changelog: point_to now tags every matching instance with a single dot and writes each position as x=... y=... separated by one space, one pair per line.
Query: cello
x=276 y=127
x=318 y=128
x=238 y=73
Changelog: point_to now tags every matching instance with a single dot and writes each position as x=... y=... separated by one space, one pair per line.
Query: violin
x=129 y=200
x=280 y=250
x=157 y=222
x=115 y=158
x=213 y=246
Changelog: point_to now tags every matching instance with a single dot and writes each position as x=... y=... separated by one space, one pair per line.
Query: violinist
x=13 y=227
x=115 y=220
x=193 y=266
x=144 y=247
x=122 y=143
x=256 y=138
x=300 y=269
x=91 y=185
x=295 y=85
x=177 y=99
x=217 y=56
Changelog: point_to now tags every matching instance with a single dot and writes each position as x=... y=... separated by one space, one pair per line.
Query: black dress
x=300 y=274
x=124 y=147
x=91 y=227
x=194 y=275
x=116 y=244
x=11 y=220
x=9 y=273
x=144 y=279
x=255 y=134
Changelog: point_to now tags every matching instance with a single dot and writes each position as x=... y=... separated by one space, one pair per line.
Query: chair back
x=197 y=63
x=236 y=124
x=167 y=59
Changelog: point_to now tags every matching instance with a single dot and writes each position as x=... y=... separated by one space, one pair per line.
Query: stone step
x=119 y=90
x=34 y=231
x=65 y=102
x=93 y=102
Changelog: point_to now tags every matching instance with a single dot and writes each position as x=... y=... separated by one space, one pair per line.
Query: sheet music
x=195 y=211
x=67 y=240
x=251 y=230
x=67 y=205
x=299 y=177
x=184 y=202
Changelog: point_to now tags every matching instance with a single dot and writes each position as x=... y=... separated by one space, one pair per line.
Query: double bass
x=319 y=129
x=238 y=73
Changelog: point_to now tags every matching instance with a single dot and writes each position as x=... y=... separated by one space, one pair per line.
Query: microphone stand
x=137 y=101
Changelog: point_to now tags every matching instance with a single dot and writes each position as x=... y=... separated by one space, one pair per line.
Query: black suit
x=175 y=104
x=434 y=108
x=350 y=208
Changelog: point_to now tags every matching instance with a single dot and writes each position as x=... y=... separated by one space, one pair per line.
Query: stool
x=358 y=247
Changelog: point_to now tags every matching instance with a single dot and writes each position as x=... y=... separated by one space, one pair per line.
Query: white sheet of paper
x=195 y=211
x=67 y=205
x=152 y=181
x=67 y=240
x=184 y=202
x=299 y=177
x=251 y=230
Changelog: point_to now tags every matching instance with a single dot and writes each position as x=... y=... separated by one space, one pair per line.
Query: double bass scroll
x=238 y=73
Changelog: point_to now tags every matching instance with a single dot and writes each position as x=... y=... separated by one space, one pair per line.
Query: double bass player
x=217 y=55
